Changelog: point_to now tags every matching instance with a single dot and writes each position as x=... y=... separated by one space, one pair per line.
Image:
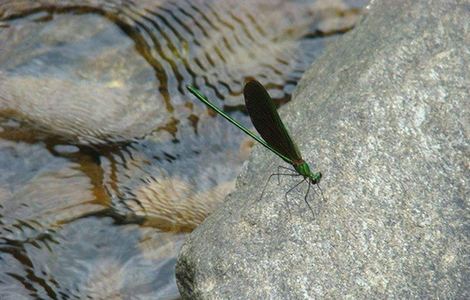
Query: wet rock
x=87 y=87
x=41 y=102
x=384 y=115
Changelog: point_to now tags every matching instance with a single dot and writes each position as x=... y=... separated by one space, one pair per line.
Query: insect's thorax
x=303 y=168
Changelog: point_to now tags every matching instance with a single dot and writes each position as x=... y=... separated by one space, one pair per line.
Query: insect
x=274 y=135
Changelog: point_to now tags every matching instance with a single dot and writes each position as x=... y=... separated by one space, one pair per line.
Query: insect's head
x=304 y=170
x=315 y=177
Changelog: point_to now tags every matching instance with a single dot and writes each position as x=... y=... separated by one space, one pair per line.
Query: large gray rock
x=384 y=115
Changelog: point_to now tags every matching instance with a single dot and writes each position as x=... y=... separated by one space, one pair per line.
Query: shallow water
x=106 y=162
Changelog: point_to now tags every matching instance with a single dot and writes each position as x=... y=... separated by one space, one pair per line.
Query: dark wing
x=267 y=122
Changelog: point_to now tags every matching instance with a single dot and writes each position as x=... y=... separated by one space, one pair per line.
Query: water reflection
x=104 y=157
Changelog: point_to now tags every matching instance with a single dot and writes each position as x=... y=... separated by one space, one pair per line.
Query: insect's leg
x=288 y=169
x=321 y=192
x=305 y=197
x=290 y=190
x=265 y=185
x=315 y=192
x=293 y=173
x=269 y=179
x=298 y=183
x=278 y=177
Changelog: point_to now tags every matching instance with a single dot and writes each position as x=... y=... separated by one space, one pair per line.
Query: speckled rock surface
x=384 y=115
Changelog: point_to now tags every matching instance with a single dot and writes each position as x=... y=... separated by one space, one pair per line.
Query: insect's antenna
x=306 y=195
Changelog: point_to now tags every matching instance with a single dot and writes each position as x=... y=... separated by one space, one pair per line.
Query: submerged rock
x=89 y=87
x=96 y=114
x=384 y=115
